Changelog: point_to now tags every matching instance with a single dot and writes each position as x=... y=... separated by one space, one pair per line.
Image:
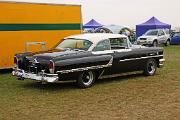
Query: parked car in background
x=175 y=38
x=88 y=57
x=154 y=37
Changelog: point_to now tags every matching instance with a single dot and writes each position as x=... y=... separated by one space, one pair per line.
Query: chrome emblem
x=34 y=61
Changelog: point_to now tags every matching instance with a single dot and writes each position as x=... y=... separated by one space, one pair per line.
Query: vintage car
x=87 y=57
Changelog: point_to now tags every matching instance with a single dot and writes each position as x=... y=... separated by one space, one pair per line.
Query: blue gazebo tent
x=92 y=24
x=152 y=23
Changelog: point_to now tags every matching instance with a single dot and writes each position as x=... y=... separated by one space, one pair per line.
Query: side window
x=102 y=45
x=118 y=43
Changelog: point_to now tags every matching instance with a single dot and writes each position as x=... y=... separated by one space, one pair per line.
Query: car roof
x=96 y=37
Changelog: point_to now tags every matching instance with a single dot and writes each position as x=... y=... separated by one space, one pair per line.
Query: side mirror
x=159 y=35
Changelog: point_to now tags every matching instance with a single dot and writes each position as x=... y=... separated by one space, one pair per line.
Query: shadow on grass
x=119 y=78
x=50 y=86
x=5 y=71
x=73 y=86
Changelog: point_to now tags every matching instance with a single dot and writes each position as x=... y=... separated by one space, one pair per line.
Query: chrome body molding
x=34 y=61
x=110 y=51
x=140 y=58
x=43 y=77
x=87 y=68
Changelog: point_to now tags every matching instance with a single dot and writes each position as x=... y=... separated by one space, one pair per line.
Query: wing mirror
x=159 y=34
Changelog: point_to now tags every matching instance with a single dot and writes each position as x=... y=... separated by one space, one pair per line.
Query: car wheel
x=86 y=79
x=167 y=43
x=150 y=67
x=154 y=44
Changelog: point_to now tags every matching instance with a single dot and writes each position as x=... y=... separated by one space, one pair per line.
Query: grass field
x=132 y=97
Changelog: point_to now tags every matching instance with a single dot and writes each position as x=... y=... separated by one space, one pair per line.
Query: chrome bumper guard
x=161 y=62
x=43 y=77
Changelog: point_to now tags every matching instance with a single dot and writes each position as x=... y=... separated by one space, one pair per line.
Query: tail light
x=15 y=61
x=51 y=66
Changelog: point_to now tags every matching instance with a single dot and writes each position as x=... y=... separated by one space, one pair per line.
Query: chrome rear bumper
x=44 y=77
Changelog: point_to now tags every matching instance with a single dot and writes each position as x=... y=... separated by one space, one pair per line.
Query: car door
x=161 y=37
x=125 y=59
x=103 y=48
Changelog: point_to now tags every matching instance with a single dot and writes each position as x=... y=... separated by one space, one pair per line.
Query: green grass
x=129 y=97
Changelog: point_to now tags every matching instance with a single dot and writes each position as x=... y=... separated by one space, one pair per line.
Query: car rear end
x=34 y=68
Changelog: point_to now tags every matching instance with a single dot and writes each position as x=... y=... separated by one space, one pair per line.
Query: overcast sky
x=124 y=12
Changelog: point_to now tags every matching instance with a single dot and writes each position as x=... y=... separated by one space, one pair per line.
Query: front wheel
x=150 y=67
x=167 y=43
x=86 y=79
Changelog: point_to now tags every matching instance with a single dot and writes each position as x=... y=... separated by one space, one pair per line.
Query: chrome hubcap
x=151 y=67
x=87 y=78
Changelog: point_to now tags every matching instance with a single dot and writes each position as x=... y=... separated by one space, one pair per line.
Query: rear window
x=118 y=43
x=151 y=32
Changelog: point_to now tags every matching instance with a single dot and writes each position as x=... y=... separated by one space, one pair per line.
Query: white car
x=154 y=37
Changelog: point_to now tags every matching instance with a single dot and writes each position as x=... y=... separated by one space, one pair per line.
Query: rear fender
x=84 y=63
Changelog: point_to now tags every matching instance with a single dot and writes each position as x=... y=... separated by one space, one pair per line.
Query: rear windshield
x=151 y=32
x=74 y=44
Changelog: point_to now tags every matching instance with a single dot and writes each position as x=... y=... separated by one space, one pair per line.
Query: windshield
x=74 y=44
x=176 y=34
x=151 y=32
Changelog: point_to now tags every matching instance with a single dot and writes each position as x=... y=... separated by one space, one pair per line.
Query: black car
x=88 y=57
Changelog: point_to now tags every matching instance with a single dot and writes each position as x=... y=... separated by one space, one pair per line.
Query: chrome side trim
x=101 y=74
x=140 y=58
x=87 y=68
x=110 y=51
